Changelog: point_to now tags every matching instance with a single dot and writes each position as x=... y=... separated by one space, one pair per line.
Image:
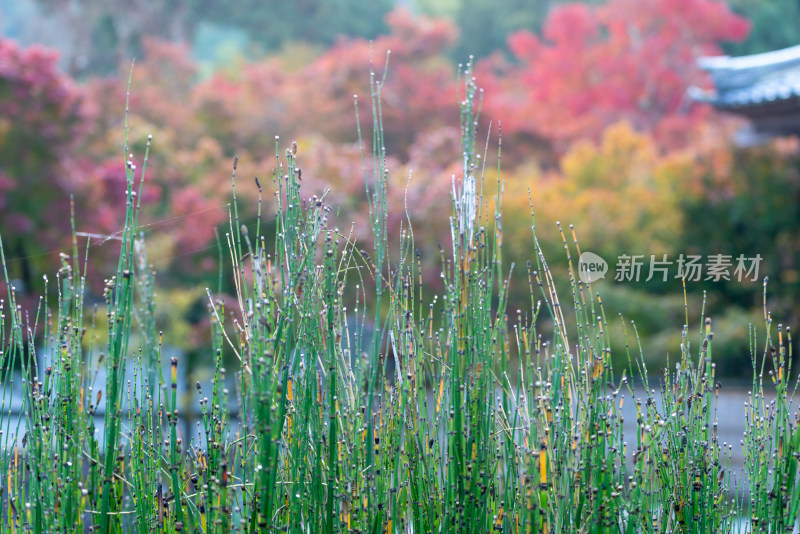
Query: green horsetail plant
x=772 y=437
x=358 y=401
x=118 y=296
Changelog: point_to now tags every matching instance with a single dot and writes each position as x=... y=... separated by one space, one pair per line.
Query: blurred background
x=593 y=97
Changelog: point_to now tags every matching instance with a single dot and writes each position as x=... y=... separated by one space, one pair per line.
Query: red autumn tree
x=593 y=66
x=43 y=118
x=59 y=139
x=420 y=90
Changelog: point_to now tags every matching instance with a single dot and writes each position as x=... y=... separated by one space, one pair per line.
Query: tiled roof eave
x=784 y=108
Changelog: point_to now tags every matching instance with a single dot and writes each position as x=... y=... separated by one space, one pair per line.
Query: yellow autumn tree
x=621 y=196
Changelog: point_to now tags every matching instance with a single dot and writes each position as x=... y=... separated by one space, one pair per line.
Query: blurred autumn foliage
x=45 y=119
x=595 y=116
x=596 y=65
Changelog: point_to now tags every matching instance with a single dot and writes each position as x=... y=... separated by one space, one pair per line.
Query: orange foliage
x=620 y=195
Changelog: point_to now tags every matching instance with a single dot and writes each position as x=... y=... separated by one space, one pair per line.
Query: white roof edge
x=746 y=62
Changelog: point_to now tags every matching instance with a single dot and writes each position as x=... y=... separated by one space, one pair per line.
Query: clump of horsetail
x=358 y=402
